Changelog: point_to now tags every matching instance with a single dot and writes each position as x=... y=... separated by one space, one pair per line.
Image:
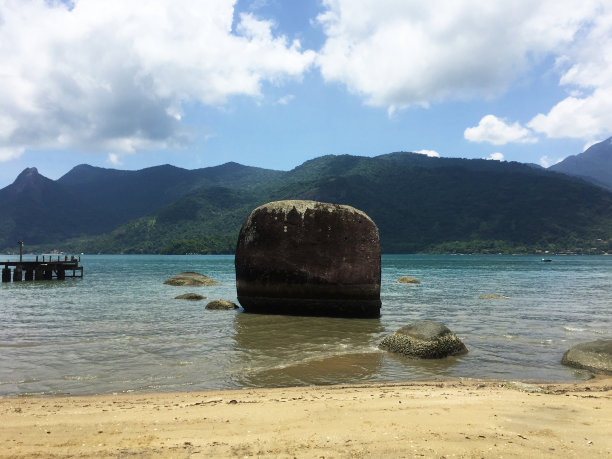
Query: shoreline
x=461 y=417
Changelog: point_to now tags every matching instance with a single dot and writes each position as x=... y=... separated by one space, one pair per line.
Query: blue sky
x=273 y=83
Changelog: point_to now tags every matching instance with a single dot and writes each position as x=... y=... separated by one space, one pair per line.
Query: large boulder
x=424 y=340
x=309 y=258
x=192 y=279
x=595 y=356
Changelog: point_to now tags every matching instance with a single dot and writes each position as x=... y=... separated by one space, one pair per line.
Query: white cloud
x=285 y=100
x=430 y=153
x=397 y=53
x=496 y=157
x=8 y=153
x=587 y=74
x=546 y=161
x=114 y=75
x=578 y=117
x=498 y=132
x=114 y=159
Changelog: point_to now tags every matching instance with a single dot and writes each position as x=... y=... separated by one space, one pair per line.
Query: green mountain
x=593 y=165
x=420 y=204
x=92 y=201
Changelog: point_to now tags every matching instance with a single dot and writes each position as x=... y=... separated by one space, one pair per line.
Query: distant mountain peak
x=27 y=179
x=593 y=165
x=27 y=172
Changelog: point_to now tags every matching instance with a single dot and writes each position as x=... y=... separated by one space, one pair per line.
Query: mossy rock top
x=190 y=296
x=408 y=280
x=425 y=330
x=191 y=279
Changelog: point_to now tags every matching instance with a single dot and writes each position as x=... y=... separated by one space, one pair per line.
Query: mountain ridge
x=593 y=165
x=419 y=203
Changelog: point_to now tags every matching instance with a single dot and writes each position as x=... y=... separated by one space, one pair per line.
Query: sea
x=120 y=329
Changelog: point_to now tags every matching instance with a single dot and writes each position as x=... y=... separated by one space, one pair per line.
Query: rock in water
x=221 y=305
x=408 y=280
x=493 y=296
x=424 y=340
x=309 y=258
x=191 y=278
x=190 y=296
x=595 y=356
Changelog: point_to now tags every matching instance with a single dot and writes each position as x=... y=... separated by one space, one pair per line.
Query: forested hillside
x=420 y=204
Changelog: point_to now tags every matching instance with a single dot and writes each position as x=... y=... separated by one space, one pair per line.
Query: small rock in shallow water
x=221 y=305
x=190 y=296
x=408 y=280
x=595 y=356
x=424 y=340
x=191 y=278
x=493 y=296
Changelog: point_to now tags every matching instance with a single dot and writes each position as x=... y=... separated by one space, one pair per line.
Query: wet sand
x=458 y=418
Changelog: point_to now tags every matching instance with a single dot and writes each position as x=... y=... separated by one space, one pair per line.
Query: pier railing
x=45 y=267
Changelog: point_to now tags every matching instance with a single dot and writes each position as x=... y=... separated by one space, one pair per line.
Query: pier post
x=17 y=274
x=60 y=273
x=29 y=274
x=6 y=274
x=20 y=251
x=38 y=273
x=48 y=274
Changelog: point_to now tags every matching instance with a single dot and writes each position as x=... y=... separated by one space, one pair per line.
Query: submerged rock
x=309 y=258
x=493 y=296
x=190 y=296
x=595 y=356
x=191 y=278
x=408 y=280
x=222 y=305
x=424 y=340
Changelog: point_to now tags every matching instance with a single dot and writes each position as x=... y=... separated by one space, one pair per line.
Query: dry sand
x=459 y=418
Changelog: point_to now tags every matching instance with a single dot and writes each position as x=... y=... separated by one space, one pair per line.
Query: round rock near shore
x=595 y=356
x=424 y=340
x=309 y=258
x=191 y=279
x=221 y=305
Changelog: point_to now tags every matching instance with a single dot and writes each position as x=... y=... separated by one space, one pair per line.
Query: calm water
x=120 y=329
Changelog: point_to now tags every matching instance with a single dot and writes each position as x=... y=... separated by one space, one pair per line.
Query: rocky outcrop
x=309 y=258
x=595 y=356
x=222 y=305
x=192 y=279
x=424 y=340
x=190 y=296
x=408 y=280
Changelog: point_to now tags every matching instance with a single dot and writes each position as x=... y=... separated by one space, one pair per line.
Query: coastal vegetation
x=420 y=204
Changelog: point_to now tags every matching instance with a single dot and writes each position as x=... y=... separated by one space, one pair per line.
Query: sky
x=273 y=83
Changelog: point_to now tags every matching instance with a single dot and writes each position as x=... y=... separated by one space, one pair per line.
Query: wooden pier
x=48 y=268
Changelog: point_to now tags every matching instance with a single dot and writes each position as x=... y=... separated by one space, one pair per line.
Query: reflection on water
x=395 y=364
x=348 y=368
x=287 y=350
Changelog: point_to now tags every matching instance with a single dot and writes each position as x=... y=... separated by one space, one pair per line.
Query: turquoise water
x=119 y=329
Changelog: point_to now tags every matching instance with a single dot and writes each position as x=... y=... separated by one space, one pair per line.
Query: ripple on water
x=119 y=328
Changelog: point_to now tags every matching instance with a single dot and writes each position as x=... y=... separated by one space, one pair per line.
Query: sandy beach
x=458 y=418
